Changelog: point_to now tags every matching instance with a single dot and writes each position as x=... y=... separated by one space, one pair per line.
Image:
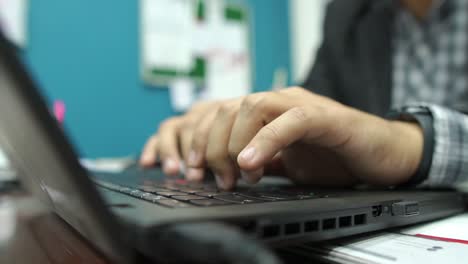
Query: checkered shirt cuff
x=450 y=157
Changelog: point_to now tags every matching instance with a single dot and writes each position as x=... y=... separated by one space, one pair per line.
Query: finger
x=185 y=140
x=169 y=147
x=252 y=177
x=217 y=156
x=196 y=156
x=148 y=156
x=186 y=137
x=288 y=128
x=255 y=111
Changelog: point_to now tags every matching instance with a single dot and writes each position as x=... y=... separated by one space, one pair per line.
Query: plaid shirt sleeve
x=449 y=166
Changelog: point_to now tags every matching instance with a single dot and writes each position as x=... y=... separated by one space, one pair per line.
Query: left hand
x=317 y=141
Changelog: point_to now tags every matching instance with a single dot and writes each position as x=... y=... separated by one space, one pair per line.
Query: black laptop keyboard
x=179 y=193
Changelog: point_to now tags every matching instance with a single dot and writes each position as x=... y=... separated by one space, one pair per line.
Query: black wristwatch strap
x=424 y=117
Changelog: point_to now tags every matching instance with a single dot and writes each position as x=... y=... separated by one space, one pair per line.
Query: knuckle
x=200 y=137
x=270 y=133
x=187 y=123
x=249 y=102
x=198 y=106
x=226 y=110
x=300 y=113
x=253 y=103
x=168 y=123
x=152 y=140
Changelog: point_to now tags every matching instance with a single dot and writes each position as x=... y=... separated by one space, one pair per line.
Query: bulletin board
x=157 y=74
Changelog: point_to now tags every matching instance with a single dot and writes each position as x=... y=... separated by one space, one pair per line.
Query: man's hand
x=315 y=140
x=173 y=142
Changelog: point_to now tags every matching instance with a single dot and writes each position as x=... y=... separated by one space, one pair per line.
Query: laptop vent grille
x=315 y=225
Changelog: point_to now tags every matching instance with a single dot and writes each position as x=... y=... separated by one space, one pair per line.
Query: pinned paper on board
x=229 y=71
x=13 y=20
x=167 y=27
x=207 y=46
x=182 y=93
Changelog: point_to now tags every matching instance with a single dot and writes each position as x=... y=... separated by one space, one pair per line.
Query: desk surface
x=38 y=236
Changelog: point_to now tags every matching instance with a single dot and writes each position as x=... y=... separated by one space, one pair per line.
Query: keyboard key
x=186 y=198
x=173 y=203
x=209 y=202
x=137 y=193
x=210 y=188
x=125 y=190
x=234 y=198
x=277 y=195
x=255 y=195
x=171 y=193
x=152 y=189
x=196 y=185
x=168 y=186
x=188 y=190
x=207 y=194
x=153 y=198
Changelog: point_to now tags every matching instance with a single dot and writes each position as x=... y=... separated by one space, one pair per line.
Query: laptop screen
x=45 y=161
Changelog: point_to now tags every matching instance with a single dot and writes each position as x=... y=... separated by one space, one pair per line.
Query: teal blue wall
x=86 y=53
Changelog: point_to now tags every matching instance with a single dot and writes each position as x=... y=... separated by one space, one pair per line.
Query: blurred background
x=121 y=67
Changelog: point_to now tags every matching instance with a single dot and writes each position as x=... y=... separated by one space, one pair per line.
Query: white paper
x=396 y=248
x=182 y=92
x=13 y=20
x=226 y=79
x=441 y=241
x=455 y=227
x=167 y=34
x=229 y=68
x=6 y=172
x=4 y=164
x=108 y=165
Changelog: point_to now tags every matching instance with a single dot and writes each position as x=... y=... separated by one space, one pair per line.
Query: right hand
x=176 y=138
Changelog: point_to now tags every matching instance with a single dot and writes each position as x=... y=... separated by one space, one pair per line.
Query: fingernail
x=194 y=174
x=247 y=154
x=170 y=165
x=220 y=181
x=193 y=158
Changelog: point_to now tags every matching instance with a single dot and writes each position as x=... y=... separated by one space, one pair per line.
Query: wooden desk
x=39 y=236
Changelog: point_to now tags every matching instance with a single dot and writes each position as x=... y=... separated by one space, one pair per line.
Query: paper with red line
x=453 y=229
x=442 y=241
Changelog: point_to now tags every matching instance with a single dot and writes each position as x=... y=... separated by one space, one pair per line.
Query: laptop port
x=271 y=231
x=376 y=210
x=329 y=223
x=344 y=221
x=311 y=226
x=360 y=219
x=292 y=228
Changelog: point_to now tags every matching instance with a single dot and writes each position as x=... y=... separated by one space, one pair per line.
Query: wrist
x=408 y=145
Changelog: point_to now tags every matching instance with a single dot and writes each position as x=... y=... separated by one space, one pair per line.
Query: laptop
x=119 y=213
